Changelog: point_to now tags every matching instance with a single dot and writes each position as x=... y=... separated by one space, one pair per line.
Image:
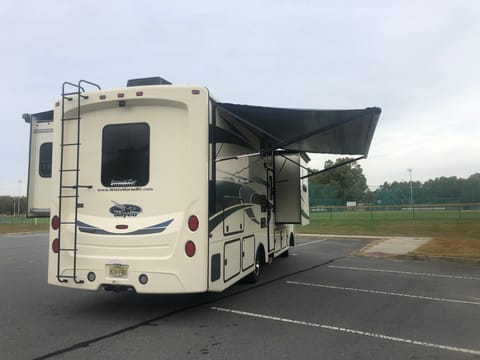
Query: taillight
x=55 y=246
x=190 y=248
x=55 y=222
x=193 y=223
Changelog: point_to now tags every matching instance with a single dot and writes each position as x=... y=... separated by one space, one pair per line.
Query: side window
x=45 y=160
x=125 y=155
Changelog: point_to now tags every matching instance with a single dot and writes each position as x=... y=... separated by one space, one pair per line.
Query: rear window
x=45 y=160
x=125 y=155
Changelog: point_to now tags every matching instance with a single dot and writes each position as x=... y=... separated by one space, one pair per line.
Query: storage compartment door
x=248 y=252
x=231 y=260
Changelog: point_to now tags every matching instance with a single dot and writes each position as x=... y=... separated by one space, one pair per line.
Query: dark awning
x=316 y=131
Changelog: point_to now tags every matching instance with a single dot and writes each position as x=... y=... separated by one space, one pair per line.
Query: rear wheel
x=253 y=276
x=291 y=244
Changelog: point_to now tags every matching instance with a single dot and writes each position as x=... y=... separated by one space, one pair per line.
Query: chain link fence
x=12 y=220
x=391 y=212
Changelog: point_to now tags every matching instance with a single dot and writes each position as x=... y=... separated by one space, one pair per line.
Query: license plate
x=118 y=271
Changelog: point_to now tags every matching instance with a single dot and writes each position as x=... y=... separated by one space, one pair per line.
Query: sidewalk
x=393 y=246
x=382 y=246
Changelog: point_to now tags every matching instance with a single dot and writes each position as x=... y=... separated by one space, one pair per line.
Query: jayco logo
x=125 y=210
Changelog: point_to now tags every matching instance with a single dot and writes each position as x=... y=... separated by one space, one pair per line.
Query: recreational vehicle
x=161 y=188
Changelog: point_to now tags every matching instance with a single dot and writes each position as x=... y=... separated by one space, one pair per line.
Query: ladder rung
x=68 y=223
x=71 y=93
x=73 y=118
x=71 y=144
x=65 y=170
x=67 y=249
x=67 y=196
x=77 y=187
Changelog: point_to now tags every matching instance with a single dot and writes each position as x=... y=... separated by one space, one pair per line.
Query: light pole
x=18 y=206
x=411 y=188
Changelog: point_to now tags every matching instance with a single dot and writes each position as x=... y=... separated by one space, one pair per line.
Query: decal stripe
x=217 y=219
x=154 y=229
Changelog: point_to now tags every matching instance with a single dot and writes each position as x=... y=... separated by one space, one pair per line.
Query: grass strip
x=452 y=236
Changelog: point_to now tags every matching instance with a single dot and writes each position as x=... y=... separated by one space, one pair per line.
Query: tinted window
x=45 y=160
x=125 y=155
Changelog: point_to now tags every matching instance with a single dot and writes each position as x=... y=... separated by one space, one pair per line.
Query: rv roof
x=41 y=116
x=316 y=131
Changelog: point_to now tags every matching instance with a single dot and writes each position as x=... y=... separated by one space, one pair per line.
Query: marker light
x=143 y=279
x=55 y=245
x=55 y=222
x=193 y=223
x=190 y=248
x=91 y=276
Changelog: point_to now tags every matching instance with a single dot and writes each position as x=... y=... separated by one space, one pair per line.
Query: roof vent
x=156 y=80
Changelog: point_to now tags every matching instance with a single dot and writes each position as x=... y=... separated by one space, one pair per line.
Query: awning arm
x=248 y=123
x=296 y=163
x=333 y=167
x=237 y=157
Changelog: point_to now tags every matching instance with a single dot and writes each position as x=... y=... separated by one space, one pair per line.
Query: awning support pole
x=293 y=161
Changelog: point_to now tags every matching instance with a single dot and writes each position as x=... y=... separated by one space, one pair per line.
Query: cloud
x=416 y=60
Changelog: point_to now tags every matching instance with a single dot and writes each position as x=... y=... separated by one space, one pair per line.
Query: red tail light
x=55 y=246
x=190 y=248
x=193 y=223
x=55 y=222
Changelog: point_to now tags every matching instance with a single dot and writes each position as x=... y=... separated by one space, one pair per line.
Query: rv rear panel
x=142 y=172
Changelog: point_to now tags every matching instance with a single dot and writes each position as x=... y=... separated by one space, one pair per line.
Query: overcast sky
x=417 y=60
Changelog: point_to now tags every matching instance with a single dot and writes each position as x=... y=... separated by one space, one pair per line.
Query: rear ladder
x=70 y=191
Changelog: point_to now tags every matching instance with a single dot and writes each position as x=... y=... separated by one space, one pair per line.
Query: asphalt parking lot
x=320 y=302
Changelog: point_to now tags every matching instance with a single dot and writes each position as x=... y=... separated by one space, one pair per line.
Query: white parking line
x=309 y=243
x=405 y=272
x=350 y=331
x=378 y=292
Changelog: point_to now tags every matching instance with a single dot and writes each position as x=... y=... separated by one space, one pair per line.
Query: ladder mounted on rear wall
x=68 y=193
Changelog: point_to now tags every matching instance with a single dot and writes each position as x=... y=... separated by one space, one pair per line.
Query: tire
x=292 y=240
x=291 y=244
x=254 y=276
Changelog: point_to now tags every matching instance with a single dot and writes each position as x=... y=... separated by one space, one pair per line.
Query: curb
x=346 y=236
x=421 y=257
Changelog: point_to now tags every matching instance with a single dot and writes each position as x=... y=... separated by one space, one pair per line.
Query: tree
x=348 y=181
x=441 y=190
